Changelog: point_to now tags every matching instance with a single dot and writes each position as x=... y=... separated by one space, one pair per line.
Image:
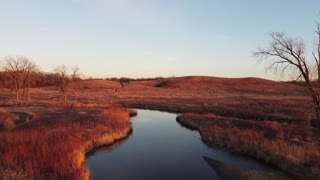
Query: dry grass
x=55 y=147
x=239 y=98
x=293 y=149
x=246 y=98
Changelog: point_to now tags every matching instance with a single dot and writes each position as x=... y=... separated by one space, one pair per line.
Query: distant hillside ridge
x=199 y=84
x=220 y=83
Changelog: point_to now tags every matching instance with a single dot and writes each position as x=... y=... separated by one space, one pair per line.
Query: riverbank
x=286 y=108
x=54 y=145
x=166 y=149
x=293 y=150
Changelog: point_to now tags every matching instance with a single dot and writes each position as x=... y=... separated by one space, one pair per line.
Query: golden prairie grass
x=292 y=149
x=246 y=98
x=298 y=160
x=56 y=149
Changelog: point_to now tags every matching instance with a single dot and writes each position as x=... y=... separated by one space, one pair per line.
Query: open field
x=245 y=98
x=268 y=120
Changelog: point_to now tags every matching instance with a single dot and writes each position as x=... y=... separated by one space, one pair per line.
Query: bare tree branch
x=20 y=68
x=66 y=77
x=288 y=53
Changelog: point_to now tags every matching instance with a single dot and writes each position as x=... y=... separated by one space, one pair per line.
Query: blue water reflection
x=160 y=148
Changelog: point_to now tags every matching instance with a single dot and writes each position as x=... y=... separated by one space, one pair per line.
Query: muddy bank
x=267 y=142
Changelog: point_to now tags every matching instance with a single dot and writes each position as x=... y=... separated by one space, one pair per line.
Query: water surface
x=160 y=148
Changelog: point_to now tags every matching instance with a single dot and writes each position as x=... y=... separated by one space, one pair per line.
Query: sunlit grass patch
x=55 y=148
x=293 y=149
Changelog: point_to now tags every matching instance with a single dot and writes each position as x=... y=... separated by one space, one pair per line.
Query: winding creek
x=160 y=148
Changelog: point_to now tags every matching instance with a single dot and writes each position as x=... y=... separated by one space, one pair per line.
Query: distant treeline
x=42 y=79
x=37 y=79
x=126 y=79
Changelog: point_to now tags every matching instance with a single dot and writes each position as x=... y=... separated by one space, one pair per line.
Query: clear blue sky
x=149 y=38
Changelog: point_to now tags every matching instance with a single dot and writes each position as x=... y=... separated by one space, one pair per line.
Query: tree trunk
x=24 y=92
x=316 y=105
x=318 y=117
x=318 y=93
x=28 y=94
x=318 y=77
x=65 y=96
x=17 y=90
x=17 y=94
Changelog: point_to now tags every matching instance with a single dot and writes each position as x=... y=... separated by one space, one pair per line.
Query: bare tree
x=19 y=68
x=29 y=73
x=66 y=78
x=287 y=53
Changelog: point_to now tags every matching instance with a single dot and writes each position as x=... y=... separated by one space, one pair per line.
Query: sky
x=151 y=38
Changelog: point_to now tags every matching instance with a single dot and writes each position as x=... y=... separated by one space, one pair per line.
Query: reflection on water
x=159 y=148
